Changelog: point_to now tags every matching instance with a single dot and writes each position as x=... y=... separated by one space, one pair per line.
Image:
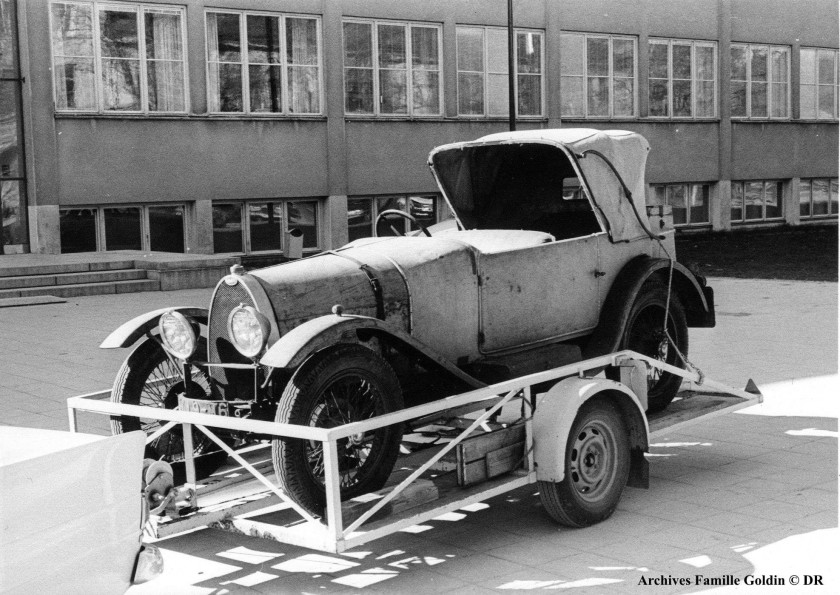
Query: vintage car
x=551 y=258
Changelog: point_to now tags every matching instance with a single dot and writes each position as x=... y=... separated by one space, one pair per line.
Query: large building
x=215 y=127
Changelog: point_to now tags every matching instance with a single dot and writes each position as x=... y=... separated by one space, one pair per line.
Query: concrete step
x=75 y=278
x=83 y=289
x=57 y=268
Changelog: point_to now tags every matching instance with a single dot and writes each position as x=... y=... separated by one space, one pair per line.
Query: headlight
x=248 y=329
x=178 y=334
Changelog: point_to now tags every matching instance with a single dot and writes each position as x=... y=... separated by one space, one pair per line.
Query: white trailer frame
x=333 y=536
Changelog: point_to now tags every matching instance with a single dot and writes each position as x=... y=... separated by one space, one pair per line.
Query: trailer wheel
x=148 y=377
x=343 y=384
x=597 y=466
x=643 y=333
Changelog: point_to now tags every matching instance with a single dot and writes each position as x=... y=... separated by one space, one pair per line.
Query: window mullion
x=409 y=73
x=670 y=78
x=374 y=63
x=141 y=49
x=610 y=76
x=245 y=71
x=285 y=81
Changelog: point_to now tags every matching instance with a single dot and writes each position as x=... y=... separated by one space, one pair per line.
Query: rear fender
x=294 y=347
x=696 y=298
x=128 y=333
x=556 y=411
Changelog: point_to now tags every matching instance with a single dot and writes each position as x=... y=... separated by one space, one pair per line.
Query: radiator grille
x=228 y=383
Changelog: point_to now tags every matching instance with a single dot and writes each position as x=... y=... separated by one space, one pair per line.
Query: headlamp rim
x=265 y=330
x=188 y=323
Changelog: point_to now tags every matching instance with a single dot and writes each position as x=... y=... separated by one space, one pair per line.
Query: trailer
x=579 y=435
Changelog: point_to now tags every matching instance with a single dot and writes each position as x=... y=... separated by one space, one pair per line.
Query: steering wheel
x=390 y=213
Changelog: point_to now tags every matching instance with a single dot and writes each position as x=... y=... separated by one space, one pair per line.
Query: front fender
x=319 y=333
x=128 y=333
x=556 y=411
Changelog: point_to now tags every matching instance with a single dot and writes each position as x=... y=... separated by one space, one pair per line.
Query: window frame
x=816 y=85
x=246 y=224
x=140 y=9
x=810 y=181
x=244 y=64
x=373 y=199
x=694 y=43
x=687 y=186
x=375 y=68
x=610 y=77
x=769 y=82
x=764 y=218
x=486 y=72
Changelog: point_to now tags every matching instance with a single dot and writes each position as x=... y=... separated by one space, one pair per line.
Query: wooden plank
x=415 y=494
x=693 y=407
x=505 y=459
x=477 y=446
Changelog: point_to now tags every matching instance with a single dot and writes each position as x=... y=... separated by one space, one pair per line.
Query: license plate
x=223 y=408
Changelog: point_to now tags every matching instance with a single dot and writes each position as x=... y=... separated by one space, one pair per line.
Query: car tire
x=361 y=385
x=148 y=377
x=596 y=467
x=643 y=333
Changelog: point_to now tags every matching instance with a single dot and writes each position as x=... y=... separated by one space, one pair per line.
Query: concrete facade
x=199 y=158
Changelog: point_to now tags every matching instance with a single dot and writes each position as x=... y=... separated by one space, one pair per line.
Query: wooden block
x=419 y=492
x=505 y=459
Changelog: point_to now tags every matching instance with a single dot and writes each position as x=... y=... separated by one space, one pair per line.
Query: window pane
x=805 y=198
x=358 y=49
x=497 y=50
x=571 y=54
x=165 y=86
x=773 y=199
x=424 y=48
x=425 y=92
x=807 y=66
x=266 y=226
x=737 y=209
x=807 y=102
x=422 y=208
x=820 y=197
x=758 y=64
x=166 y=229
x=699 y=203
x=598 y=96
x=826 y=101
x=470 y=49
x=118 y=34
x=497 y=94
x=121 y=84
x=624 y=57
x=392 y=46
x=758 y=100
x=753 y=199
x=359 y=218
x=597 y=56
x=675 y=195
x=623 y=104
x=225 y=87
x=263 y=39
x=304 y=90
x=227 y=228
x=13 y=209
x=826 y=67
x=738 y=99
x=658 y=97
x=266 y=88
x=74 y=83
x=705 y=62
x=779 y=65
x=302 y=41
x=10 y=134
x=470 y=94
x=658 y=196
x=78 y=230
x=393 y=92
x=681 y=61
x=223 y=37
x=72 y=30
x=303 y=216
x=163 y=36
x=780 y=109
x=528 y=53
x=384 y=203
x=705 y=101
x=571 y=96
x=738 y=57
x=530 y=95
x=658 y=60
x=834 y=197
x=122 y=228
x=682 y=98
x=358 y=91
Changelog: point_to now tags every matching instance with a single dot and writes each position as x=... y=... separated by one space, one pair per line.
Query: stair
x=76 y=284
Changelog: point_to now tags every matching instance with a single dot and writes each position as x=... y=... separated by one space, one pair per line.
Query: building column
x=553 y=31
x=450 y=67
x=791 y=201
x=721 y=208
x=200 y=236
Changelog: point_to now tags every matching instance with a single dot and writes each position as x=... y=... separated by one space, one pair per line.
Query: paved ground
x=752 y=493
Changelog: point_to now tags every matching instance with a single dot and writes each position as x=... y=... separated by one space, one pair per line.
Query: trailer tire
x=596 y=468
x=149 y=362
x=361 y=384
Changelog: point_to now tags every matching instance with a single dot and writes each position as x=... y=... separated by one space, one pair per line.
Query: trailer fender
x=128 y=333
x=696 y=297
x=319 y=333
x=556 y=411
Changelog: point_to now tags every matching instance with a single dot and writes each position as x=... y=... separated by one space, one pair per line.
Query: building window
x=263 y=63
x=156 y=228
x=116 y=57
x=818 y=84
x=756 y=201
x=392 y=69
x=682 y=81
x=760 y=81
x=597 y=76
x=817 y=197
x=689 y=202
x=483 y=72
x=363 y=211
x=263 y=226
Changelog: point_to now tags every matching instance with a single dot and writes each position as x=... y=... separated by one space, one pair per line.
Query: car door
x=538 y=293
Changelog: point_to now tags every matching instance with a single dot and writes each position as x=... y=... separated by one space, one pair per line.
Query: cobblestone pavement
x=752 y=493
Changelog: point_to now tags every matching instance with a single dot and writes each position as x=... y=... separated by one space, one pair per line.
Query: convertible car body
x=552 y=256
